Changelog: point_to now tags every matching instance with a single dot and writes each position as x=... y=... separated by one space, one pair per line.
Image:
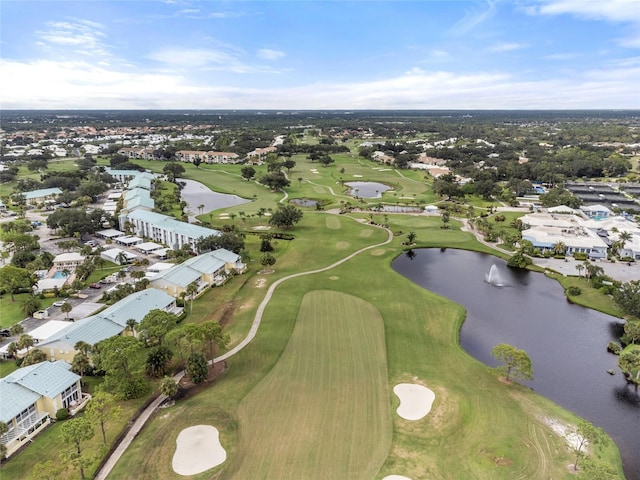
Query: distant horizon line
x=318 y=110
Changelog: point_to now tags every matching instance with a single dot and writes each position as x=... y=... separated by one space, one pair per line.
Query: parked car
x=59 y=303
x=5 y=333
x=95 y=285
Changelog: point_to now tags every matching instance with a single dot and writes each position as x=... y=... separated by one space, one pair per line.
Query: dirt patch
x=342 y=245
x=188 y=388
x=502 y=462
x=261 y=282
x=266 y=271
x=334 y=277
x=227 y=314
x=377 y=252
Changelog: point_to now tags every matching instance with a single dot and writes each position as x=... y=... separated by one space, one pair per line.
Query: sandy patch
x=260 y=282
x=377 y=252
x=333 y=277
x=342 y=245
x=415 y=400
x=262 y=227
x=358 y=176
x=396 y=477
x=385 y=169
x=197 y=450
x=570 y=436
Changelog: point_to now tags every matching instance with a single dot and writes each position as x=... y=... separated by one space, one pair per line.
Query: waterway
x=196 y=194
x=566 y=343
x=367 y=189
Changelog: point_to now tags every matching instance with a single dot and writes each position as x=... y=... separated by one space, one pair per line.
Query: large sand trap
x=198 y=449
x=415 y=400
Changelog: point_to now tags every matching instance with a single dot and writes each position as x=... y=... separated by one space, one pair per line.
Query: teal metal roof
x=15 y=398
x=169 y=223
x=44 y=192
x=47 y=379
x=124 y=173
x=206 y=263
x=23 y=387
x=136 y=306
x=140 y=181
x=180 y=275
x=90 y=329
x=226 y=256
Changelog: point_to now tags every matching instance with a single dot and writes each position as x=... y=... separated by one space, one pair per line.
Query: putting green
x=323 y=411
x=333 y=222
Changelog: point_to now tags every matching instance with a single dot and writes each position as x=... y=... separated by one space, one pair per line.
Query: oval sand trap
x=415 y=400
x=198 y=449
x=396 y=477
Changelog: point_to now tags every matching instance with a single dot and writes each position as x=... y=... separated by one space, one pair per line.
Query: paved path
x=146 y=414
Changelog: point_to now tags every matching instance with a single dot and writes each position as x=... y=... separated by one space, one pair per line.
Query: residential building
x=32 y=395
x=596 y=211
x=108 y=323
x=207 y=157
x=164 y=229
x=206 y=270
x=68 y=261
x=39 y=196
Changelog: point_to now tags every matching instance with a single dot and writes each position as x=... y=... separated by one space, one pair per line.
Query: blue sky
x=512 y=54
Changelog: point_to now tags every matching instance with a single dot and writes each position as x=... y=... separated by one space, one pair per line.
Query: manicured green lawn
x=590 y=297
x=328 y=396
x=12 y=313
x=478 y=427
x=6 y=367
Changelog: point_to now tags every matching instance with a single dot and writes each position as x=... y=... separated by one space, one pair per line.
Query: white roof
x=50 y=283
x=48 y=329
x=148 y=246
x=69 y=257
x=111 y=233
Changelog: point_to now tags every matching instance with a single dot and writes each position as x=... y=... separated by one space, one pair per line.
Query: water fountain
x=493 y=277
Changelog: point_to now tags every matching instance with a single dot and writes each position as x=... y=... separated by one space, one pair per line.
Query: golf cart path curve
x=146 y=414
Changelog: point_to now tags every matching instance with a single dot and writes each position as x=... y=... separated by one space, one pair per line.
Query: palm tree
x=191 y=291
x=580 y=268
x=559 y=248
x=83 y=347
x=200 y=208
x=26 y=341
x=12 y=349
x=16 y=330
x=623 y=238
x=131 y=326
x=121 y=258
x=66 y=308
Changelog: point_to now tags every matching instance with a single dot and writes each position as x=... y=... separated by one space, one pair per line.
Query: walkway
x=146 y=414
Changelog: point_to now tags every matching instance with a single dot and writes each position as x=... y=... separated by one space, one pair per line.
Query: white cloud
x=472 y=19
x=226 y=58
x=610 y=10
x=269 y=54
x=80 y=84
x=507 y=47
x=615 y=11
x=86 y=35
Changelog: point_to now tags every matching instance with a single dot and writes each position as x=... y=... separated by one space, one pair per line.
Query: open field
x=421 y=335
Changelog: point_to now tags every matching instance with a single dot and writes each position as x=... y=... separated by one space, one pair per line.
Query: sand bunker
x=358 y=176
x=415 y=400
x=396 y=477
x=198 y=449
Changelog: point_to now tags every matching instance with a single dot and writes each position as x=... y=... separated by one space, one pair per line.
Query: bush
x=574 y=291
x=580 y=256
x=614 y=347
x=62 y=414
x=519 y=261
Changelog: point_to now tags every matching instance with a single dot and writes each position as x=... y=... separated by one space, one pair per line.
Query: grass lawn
x=11 y=312
x=6 y=367
x=478 y=427
x=590 y=297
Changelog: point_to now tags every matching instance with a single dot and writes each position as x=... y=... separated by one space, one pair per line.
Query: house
x=258 y=156
x=207 y=157
x=164 y=229
x=118 y=256
x=131 y=152
x=32 y=395
x=68 y=261
x=39 y=196
x=207 y=269
x=108 y=323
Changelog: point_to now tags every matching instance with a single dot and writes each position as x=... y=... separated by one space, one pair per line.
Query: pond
x=304 y=202
x=196 y=194
x=566 y=343
x=366 y=189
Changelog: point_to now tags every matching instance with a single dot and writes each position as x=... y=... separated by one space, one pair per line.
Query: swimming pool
x=59 y=275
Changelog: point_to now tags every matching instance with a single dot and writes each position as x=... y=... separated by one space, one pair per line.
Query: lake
x=196 y=194
x=567 y=343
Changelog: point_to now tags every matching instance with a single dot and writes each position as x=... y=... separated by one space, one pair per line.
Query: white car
x=59 y=303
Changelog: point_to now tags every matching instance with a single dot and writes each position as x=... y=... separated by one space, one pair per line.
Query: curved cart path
x=146 y=414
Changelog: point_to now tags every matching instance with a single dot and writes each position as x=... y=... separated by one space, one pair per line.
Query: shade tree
x=515 y=362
